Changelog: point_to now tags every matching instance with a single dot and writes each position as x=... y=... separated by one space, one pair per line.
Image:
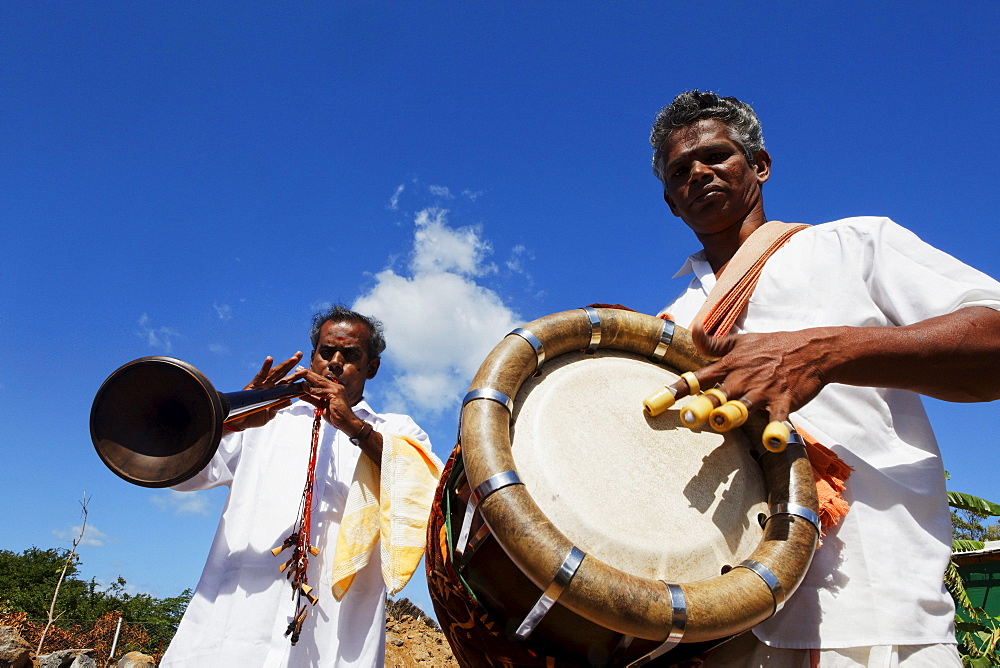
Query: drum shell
x=504 y=593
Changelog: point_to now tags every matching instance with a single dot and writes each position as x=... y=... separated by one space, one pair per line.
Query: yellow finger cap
x=775 y=436
x=659 y=401
x=694 y=387
x=696 y=412
x=719 y=395
x=728 y=416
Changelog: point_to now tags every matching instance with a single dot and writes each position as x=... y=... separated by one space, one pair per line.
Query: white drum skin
x=643 y=494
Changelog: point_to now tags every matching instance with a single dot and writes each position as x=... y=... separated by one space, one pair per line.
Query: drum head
x=643 y=494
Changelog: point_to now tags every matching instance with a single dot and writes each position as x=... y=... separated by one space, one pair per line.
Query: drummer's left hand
x=778 y=372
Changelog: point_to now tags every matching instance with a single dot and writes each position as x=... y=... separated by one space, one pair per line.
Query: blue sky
x=196 y=179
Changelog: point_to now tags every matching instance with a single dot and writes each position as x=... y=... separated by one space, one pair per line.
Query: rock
x=413 y=643
x=68 y=658
x=15 y=652
x=136 y=660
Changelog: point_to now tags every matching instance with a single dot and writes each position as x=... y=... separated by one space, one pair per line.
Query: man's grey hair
x=340 y=313
x=694 y=105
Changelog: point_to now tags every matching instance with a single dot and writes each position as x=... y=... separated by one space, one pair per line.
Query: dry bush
x=72 y=634
x=398 y=607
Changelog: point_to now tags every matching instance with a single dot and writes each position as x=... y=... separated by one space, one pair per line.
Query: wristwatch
x=362 y=434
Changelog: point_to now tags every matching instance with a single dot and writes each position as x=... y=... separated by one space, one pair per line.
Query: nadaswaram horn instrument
x=157 y=421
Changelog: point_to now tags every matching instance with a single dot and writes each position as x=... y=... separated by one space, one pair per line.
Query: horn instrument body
x=157 y=421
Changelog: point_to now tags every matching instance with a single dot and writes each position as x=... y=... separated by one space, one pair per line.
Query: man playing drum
x=848 y=322
x=243 y=612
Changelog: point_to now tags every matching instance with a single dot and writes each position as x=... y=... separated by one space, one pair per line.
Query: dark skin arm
x=323 y=393
x=332 y=398
x=954 y=357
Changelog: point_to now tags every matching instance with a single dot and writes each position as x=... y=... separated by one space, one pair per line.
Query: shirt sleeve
x=911 y=280
x=395 y=424
x=220 y=469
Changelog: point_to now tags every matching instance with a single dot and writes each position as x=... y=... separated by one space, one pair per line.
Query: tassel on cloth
x=831 y=474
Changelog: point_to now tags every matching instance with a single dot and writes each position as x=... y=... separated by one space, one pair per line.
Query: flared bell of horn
x=157 y=421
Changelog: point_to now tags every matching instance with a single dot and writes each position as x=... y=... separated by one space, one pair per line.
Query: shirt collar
x=361 y=408
x=697 y=264
x=687 y=267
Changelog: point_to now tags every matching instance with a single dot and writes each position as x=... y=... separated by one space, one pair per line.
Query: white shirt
x=242 y=605
x=877 y=578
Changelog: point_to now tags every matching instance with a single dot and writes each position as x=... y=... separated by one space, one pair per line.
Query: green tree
x=977 y=631
x=28 y=580
x=971 y=523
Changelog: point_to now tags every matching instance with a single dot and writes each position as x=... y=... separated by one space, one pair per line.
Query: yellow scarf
x=392 y=504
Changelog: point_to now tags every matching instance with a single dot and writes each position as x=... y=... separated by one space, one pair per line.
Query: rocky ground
x=411 y=641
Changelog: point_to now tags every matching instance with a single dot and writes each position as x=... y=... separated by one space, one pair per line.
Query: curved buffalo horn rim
x=717 y=607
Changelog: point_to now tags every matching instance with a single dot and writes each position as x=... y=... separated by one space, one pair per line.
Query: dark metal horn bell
x=157 y=421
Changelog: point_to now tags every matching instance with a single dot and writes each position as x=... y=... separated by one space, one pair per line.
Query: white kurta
x=877 y=579
x=242 y=604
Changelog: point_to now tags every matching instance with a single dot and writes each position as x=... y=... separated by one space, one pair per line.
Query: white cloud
x=181 y=503
x=518 y=254
x=473 y=196
x=92 y=536
x=438 y=248
x=218 y=348
x=156 y=337
x=224 y=311
x=440 y=323
x=394 y=200
x=441 y=191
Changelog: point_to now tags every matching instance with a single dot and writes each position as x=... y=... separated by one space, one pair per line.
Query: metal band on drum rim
x=798 y=511
x=475 y=541
x=551 y=594
x=493 y=395
x=499 y=481
x=769 y=578
x=598 y=591
x=679 y=622
x=595 y=329
x=534 y=342
x=666 y=338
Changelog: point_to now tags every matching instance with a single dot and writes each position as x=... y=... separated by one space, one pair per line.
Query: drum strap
x=732 y=291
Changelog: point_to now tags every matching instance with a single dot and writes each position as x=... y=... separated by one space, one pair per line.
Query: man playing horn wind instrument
x=848 y=322
x=298 y=571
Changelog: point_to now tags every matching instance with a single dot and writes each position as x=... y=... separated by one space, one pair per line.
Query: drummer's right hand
x=267 y=377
